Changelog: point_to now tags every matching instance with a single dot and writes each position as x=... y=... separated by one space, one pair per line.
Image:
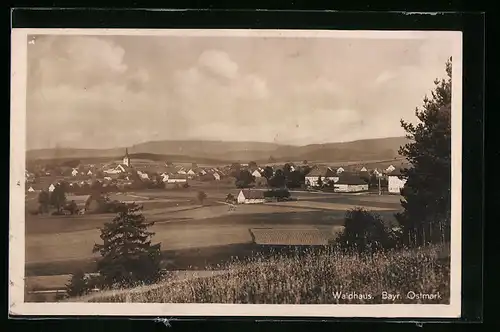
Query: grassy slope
x=298 y=279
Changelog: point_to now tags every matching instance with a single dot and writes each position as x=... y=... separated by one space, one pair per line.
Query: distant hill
x=218 y=151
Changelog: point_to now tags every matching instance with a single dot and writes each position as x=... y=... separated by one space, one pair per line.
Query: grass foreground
x=313 y=277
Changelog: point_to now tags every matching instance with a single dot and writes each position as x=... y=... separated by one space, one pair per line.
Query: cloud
x=90 y=91
x=385 y=77
x=219 y=63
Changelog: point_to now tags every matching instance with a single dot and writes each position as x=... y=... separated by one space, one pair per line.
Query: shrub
x=365 y=231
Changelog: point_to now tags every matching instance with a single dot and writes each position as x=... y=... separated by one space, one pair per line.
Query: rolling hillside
x=218 y=151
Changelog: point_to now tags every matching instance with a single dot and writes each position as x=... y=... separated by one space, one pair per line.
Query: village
x=83 y=181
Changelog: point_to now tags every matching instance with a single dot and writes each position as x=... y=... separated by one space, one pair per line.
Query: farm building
x=82 y=201
x=191 y=172
x=30 y=189
x=340 y=170
x=350 y=183
x=52 y=187
x=363 y=169
x=326 y=174
x=89 y=172
x=74 y=172
x=395 y=182
x=248 y=196
x=176 y=179
x=216 y=176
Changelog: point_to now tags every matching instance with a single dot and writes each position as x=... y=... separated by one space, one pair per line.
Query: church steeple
x=126 y=159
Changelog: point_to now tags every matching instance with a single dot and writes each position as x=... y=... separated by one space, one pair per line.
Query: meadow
x=193 y=236
x=324 y=276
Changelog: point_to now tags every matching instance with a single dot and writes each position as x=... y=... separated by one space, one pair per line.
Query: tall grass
x=313 y=277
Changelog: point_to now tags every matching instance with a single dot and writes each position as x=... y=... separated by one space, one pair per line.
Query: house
x=395 y=182
x=31 y=189
x=181 y=171
x=326 y=174
x=256 y=173
x=143 y=175
x=191 y=172
x=203 y=172
x=216 y=176
x=52 y=187
x=350 y=183
x=89 y=172
x=363 y=169
x=340 y=170
x=248 y=196
x=390 y=169
x=176 y=178
x=74 y=172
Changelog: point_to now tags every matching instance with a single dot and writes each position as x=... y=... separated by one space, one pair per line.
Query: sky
x=115 y=91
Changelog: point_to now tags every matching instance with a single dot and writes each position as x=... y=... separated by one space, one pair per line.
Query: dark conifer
x=427 y=192
x=128 y=257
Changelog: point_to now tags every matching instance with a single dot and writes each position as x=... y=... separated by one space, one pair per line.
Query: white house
x=191 y=172
x=390 y=169
x=176 y=179
x=216 y=176
x=108 y=178
x=292 y=168
x=31 y=189
x=256 y=173
x=203 y=172
x=74 y=172
x=340 y=170
x=364 y=169
x=350 y=183
x=247 y=196
x=52 y=187
x=143 y=175
x=377 y=172
x=395 y=183
x=181 y=171
x=326 y=174
x=164 y=177
x=89 y=172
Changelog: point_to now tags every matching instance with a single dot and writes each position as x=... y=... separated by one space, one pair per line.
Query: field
x=193 y=236
x=315 y=277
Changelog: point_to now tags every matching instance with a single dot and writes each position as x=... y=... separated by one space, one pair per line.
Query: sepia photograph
x=235 y=172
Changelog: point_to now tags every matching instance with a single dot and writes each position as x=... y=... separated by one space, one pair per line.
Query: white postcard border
x=17 y=306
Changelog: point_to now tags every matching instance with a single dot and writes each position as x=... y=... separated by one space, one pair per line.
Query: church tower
x=126 y=159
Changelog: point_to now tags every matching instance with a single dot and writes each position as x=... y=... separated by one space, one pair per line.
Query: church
x=126 y=159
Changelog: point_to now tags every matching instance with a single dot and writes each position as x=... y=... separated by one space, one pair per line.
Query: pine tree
x=58 y=197
x=128 y=257
x=427 y=191
x=78 y=284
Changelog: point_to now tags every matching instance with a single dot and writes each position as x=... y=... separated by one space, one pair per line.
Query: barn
x=248 y=196
x=350 y=183
x=174 y=178
x=325 y=173
x=395 y=182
